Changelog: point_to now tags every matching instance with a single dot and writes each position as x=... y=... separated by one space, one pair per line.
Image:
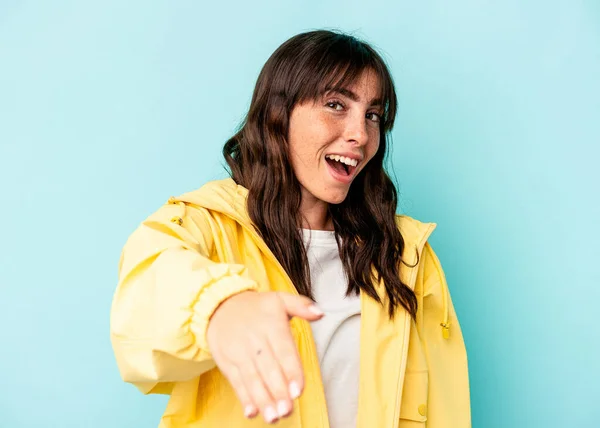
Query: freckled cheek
x=327 y=126
x=373 y=146
x=320 y=138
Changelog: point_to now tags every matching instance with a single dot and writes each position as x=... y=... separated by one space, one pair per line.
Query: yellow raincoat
x=200 y=248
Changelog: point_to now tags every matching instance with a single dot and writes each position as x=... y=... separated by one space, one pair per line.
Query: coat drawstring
x=445 y=322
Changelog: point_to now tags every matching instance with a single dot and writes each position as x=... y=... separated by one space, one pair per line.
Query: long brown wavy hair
x=371 y=245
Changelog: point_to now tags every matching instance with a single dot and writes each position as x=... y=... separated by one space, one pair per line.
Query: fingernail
x=294 y=390
x=249 y=411
x=270 y=414
x=315 y=310
x=282 y=408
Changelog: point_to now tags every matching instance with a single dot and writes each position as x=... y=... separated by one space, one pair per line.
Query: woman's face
x=333 y=138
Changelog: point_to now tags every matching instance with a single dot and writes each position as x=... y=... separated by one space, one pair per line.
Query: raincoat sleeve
x=442 y=340
x=168 y=289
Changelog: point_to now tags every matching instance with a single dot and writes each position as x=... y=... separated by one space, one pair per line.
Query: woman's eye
x=375 y=117
x=336 y=105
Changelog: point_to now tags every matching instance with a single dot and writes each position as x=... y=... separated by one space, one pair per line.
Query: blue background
x=108 y=108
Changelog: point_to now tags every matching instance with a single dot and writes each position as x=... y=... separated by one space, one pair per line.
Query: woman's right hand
x=251 y=342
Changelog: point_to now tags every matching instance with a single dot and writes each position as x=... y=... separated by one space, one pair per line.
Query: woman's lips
x=345 y=178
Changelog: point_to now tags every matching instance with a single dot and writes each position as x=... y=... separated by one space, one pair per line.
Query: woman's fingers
x=268 y=365
x=300 y=306
x=258 y=391
x=268 y=381
x=236 y=380
x=284 y=348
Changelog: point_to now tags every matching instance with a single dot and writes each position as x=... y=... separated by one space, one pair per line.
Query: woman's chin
x=335 y=198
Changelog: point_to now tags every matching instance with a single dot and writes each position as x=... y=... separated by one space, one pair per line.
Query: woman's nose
x=356 y=130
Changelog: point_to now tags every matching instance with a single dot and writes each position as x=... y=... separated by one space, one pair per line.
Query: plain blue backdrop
x=109 y=107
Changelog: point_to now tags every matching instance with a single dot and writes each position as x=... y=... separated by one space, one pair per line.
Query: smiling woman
x=305 y=230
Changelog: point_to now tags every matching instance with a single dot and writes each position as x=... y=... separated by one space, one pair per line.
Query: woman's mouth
x=342 y=166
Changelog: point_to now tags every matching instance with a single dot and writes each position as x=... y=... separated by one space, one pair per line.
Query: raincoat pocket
x=413 y=411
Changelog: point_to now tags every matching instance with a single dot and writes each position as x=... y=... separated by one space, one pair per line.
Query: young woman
x=292 y=292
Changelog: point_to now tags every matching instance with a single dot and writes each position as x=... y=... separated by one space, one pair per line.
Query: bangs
x=338 y=66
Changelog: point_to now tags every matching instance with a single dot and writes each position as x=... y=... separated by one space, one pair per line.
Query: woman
x=292 y=292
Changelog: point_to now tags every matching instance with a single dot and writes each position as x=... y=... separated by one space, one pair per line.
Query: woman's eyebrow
x=350 y=94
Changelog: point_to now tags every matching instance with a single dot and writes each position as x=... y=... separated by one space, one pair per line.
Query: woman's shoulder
x=220 y=189
x=413 y=229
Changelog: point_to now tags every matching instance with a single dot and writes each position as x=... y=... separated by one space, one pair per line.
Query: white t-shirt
x=337 y=334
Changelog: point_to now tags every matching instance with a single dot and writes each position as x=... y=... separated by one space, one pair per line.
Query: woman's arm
x=168 y=289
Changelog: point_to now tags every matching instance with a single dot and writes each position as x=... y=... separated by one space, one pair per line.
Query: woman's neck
x=315 y=214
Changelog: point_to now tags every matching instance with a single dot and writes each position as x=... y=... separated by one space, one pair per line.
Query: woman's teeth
x=342 y=159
